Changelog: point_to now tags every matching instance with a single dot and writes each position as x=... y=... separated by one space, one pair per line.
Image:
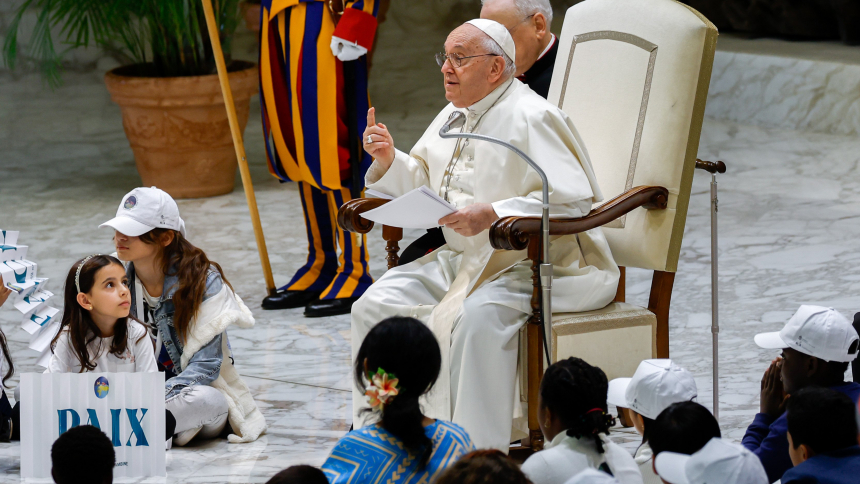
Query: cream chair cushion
x=615 y=338
x=633 y=75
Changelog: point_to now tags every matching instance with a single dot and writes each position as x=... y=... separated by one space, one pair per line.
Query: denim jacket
x=205 y=366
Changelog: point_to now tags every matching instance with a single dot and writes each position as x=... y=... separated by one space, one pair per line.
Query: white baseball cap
x=815 y=331
x=592 y=476
x=718 y=462
x=655 y=385
x=144 y=209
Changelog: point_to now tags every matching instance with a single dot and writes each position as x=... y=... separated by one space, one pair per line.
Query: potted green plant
x=168 y=91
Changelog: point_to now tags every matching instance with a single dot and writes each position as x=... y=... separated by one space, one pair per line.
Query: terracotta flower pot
x=177 y=127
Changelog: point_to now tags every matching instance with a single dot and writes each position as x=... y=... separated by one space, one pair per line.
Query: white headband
x=78 y=272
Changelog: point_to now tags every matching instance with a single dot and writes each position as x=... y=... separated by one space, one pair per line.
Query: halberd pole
x=238 y=144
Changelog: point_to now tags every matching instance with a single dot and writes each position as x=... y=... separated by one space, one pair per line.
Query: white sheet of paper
x=39 y=319
x=28 y=304
x=45 y=358
x=12 y=252
x=36 y=284
x=371 y=193
x=418 y=209
x=8 y=237
x=41 y=340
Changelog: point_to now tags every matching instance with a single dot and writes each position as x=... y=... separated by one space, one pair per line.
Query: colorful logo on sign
x=130 y=202
x=102 y=387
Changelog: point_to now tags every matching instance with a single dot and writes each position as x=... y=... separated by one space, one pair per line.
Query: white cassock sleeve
x=550 y=139
x=406 y=173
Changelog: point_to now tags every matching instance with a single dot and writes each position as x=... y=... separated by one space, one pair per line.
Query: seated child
x=655 y=385
x=573 y=419
x=187 y=305
x=489 y=466
x=822 y=438
x=96 y=333
x=718 y=462
x=817 y=345
x=82 y=455
x=683 y=428
x=592 y=476
x=301 y=474
x=398 y=361
x=6 y=410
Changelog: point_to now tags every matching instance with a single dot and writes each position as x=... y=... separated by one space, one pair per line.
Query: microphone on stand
x=457 y=120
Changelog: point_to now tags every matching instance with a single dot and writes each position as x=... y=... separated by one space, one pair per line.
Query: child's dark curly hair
x=576 y=392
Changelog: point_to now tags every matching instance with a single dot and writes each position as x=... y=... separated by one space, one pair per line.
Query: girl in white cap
x=573 y=418
x=187 y=305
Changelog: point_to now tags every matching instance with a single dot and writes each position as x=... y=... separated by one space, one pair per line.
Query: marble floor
x=789 y=212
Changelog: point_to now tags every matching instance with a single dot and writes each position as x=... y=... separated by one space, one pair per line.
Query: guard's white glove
x=346 y=51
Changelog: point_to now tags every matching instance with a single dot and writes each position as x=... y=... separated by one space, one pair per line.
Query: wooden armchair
x=639 y=109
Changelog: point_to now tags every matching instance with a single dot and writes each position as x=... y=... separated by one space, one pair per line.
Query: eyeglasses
x=456 y=59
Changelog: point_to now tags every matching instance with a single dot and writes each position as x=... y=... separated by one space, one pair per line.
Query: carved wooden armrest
x=513 y=233
x=349 y=216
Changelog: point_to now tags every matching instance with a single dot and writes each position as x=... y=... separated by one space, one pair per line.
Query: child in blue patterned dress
x=398 y=362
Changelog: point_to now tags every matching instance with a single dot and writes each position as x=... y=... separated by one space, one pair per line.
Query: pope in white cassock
x=476 y=299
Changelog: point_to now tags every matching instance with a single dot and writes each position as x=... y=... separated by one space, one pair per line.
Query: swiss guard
x=313 y=84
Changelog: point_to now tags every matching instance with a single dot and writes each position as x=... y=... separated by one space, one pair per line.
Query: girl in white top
x=575 y=425
x=96 y=332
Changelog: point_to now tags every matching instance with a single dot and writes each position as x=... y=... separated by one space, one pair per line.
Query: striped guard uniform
x=372 y=455
x=305 y=128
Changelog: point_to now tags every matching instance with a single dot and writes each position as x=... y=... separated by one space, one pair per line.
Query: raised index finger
x=371 y=117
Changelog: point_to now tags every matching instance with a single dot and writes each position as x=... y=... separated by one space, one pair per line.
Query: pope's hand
x=381 y=145
x=471 y=220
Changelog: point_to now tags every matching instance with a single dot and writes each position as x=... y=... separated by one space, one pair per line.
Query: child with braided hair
x=572 y=413
x=398 y=362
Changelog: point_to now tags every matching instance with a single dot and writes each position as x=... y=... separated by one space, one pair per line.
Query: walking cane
x=714 y=167
x=238 y=144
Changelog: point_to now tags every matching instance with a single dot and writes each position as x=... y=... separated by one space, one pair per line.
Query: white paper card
x=418 y=209
x=39 y=319
x=371 y=193
x=28 y=304
x=12 y=252
x=8 y=237
x=127 y=407
x=44 y=359
x=41 y=340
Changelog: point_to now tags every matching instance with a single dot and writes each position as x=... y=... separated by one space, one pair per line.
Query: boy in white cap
x=656 y=385
x=817 y=345
x=718 y=462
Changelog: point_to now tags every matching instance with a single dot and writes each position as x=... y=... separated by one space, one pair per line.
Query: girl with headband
x=575 y=424
x=96 y=332
x=397 y=363
x=186 y=304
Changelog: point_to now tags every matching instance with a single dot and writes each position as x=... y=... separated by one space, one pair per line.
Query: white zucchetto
x=499 y=33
